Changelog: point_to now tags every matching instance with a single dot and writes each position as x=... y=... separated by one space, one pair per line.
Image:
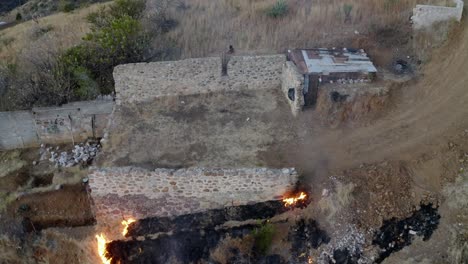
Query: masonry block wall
x=426 y=15
x=146 y=81
x=293 y=79
x=122 y=192
x=72 y=122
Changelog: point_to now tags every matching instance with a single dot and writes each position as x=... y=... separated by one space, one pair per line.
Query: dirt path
x=424 y=114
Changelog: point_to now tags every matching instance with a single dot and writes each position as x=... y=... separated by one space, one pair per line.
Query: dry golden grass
x=207 y=27
x=66 y=30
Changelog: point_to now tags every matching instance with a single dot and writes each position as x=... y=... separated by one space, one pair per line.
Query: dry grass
x=337 y=200
x=223 y=252
x=208 y=27
x=61 y=31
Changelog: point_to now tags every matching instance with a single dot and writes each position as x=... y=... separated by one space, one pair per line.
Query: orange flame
x=102 y=241
x=293 y=200
x=125 y=223
x=310 y=260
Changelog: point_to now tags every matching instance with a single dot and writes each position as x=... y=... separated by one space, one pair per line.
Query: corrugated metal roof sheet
x=326 y=61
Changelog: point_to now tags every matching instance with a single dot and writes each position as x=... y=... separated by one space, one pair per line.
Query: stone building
x=188 y=114
x=319 y=66
x=424 y=16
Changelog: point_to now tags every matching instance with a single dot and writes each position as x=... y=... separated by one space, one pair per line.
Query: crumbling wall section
x=426 y=15
x=146 y=81
x=72 y=122
x=292 y=85
x=122 y=192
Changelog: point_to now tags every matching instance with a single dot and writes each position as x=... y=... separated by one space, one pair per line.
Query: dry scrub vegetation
x=199 y=28
x=56 y=32
x=207 y=27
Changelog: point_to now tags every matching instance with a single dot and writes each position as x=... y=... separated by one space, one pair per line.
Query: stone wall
x=426 y=15
x=146 y=81
x=184 y=113
x=123 y=192
x=71 y=122
x=293 y=79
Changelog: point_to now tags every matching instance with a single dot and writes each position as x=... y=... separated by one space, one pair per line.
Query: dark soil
x=66 y=207
x=14 y=180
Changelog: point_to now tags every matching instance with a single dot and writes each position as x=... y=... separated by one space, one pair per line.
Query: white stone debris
x=325 y=192
x=82 y=153
x=351 y=239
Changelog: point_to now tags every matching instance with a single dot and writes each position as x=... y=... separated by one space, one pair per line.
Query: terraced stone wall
x=122 y=192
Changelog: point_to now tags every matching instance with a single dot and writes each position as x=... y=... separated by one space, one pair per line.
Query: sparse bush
x=131 y=8
x=40 y=31
x=19 y=17
x=347 y=8
x=279 y=9
x=160 y=17
x=389 y=4
x=66 y=6
x=7 y=41
x=263 y=237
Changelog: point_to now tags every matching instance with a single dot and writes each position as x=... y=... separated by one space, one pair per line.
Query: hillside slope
x=424 y=114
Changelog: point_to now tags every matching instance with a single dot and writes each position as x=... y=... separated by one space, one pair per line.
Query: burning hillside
x=191 y=237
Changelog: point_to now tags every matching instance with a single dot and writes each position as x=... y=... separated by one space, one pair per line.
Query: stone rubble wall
x=122 y=192
x=426 y=15
x=72 y=122
x=145 y=81
x=293 y=79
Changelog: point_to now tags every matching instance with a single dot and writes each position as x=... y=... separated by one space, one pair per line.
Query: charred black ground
x=304 y=236
x=209 y=218
x=396 y=234
x=191 y=238
x=185 y=247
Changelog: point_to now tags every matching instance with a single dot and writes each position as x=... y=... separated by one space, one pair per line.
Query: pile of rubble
x=81 y=154
x=346 y=246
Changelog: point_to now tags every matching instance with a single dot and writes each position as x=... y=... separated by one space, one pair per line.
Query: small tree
x=115 y=38
x=19 y=17
x=347 y=8
x=159 y=15
x=263 y=237
x=279 y=9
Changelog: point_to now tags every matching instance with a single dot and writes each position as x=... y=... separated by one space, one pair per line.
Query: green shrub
x=66 y=6
x=347 y=8
x=6 y=41
x=121 y=8
x=19 y=16
x=389 y=4
x=115 y=38
x=279 y=9
x=132 y=8
x=263 y=237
